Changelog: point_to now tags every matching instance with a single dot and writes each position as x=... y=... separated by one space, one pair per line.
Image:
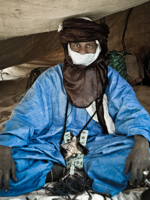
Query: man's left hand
x=138 y=160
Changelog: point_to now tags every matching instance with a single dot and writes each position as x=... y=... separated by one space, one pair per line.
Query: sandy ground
x=143 y=95
x=10 y=94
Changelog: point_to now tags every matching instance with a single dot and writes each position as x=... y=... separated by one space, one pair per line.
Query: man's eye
x=89 y=46
x=77 y=45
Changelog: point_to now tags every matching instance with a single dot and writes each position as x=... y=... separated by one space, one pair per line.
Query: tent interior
x=29 y=44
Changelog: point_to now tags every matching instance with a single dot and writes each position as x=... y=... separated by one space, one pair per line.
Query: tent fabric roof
x=22 y=49
x=28 y=29
x=24 y=17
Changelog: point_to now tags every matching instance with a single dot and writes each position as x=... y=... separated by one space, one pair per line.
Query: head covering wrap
x=85 y=84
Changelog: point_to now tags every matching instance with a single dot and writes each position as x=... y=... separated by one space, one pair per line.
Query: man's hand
x=138 y=159
x=7 y=167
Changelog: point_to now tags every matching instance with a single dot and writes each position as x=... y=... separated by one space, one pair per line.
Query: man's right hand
x=7 y=167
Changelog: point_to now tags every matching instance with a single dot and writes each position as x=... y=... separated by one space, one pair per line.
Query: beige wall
x=138 y=28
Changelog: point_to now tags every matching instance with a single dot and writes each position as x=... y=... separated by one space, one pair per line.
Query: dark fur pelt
x=146 y=195
x=74 y=184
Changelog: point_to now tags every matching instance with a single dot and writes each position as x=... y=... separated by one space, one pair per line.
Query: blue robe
x=36 y=125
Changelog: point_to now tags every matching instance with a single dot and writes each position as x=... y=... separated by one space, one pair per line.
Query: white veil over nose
x=84 y=59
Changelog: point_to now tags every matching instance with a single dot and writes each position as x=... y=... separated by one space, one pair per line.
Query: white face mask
x=84 y=59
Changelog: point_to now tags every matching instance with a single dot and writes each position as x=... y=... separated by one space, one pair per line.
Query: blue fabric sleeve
x=30 y=117
x=128 y=114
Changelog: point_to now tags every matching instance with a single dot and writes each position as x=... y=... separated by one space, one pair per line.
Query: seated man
x=83 y=93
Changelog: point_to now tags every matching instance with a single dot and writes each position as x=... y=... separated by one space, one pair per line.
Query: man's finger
x=148 y=173
x=127 y=167
x=1 y=180
x=13 y=171
x=133 y=174
x=139 y=177
x=6 y=181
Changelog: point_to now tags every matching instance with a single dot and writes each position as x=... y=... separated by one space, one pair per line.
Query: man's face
x=84 y=47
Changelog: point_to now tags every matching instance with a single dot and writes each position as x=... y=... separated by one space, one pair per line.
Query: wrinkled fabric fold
x=83 y=85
